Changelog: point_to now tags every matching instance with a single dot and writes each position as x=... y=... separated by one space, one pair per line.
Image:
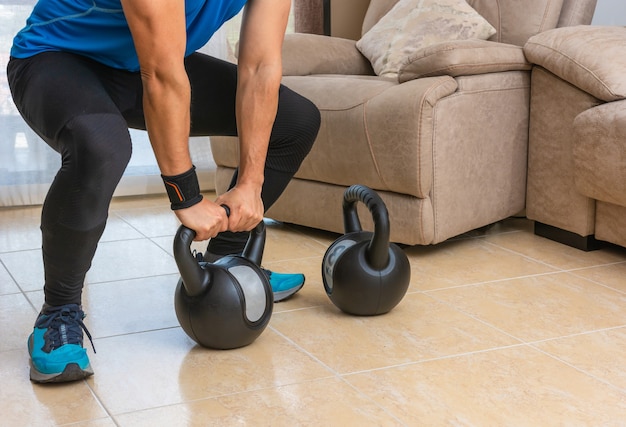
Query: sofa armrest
x=588 y=57
x=305 y=54
x=463 y=57
x=598 y=148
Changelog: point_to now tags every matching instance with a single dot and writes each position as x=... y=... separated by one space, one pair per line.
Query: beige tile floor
x=498 y=328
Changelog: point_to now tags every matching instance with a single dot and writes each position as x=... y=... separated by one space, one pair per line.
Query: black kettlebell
x=226 y=304
x=363 y=273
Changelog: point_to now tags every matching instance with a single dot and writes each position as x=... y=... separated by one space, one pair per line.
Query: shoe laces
x=64 y=326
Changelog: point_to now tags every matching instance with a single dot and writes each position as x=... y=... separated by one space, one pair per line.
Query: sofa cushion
x=463 y=58
x=514 y=20
x=414 y=24
x=305 y=54
x=589 y=57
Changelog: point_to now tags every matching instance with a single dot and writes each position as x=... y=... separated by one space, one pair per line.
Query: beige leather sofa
x=444 y=144
x=577 y=152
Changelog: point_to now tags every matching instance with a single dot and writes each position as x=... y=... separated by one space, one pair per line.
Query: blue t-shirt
x=98 y=29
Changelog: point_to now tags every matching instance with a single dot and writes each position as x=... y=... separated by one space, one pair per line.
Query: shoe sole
x=72 y=372
x=283 y=295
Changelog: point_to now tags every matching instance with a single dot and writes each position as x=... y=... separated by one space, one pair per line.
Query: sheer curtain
x=28 y=165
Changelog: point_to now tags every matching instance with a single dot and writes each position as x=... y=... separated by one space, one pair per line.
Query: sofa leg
x=584 y=243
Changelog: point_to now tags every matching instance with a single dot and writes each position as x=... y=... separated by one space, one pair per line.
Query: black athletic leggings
x=83 y=110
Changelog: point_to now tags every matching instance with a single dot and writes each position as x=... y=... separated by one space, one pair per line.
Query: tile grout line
x=533 y=344
x=578 y=334
x=528 y=257
x=487 y=282
x=560 y=269
x=21 y=291
x=573 y=272
x=522 y=341
x=582 y=371
x=435 y=359
x=303 y=350
x=484 y=322
x=335 y=374
x=109 y=416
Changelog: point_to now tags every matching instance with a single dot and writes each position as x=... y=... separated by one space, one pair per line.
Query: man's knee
x=295 y=129
x=301 y=114
x=311 y=120
x=97 y=143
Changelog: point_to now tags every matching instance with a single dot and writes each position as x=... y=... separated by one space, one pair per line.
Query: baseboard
x=584 y=243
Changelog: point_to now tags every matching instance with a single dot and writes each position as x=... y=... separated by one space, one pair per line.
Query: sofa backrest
x=515 y=20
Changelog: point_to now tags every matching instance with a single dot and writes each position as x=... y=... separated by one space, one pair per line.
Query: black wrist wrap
x=183 y=190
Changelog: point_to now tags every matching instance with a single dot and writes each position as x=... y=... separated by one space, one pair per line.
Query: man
x=83 y=71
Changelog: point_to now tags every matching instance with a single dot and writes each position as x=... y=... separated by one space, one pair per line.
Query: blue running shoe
x=284 y=285
x=56 y=345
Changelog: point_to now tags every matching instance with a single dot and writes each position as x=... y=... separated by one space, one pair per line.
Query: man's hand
x=246 y=207
x=206 y=218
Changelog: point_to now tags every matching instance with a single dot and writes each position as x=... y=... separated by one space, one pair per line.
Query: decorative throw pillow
x=414 y=24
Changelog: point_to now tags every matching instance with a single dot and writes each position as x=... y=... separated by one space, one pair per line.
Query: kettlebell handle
x=195 y=278
x=255 y=245
x=378 y=248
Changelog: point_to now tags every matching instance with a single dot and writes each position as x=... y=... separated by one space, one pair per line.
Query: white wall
x=610 y=12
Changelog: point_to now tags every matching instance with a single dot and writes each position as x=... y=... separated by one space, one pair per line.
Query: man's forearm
x=159 y=34
x=257 y=104
x=167 y=115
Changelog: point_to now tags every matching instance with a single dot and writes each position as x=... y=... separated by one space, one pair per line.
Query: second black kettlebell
x=225 y=304
x=363 y=273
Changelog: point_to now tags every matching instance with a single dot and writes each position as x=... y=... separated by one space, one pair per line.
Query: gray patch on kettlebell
x=253 y=291
x=331 y=258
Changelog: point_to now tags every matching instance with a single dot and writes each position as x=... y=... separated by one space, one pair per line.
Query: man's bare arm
x=159 y=33
x=260 y=73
